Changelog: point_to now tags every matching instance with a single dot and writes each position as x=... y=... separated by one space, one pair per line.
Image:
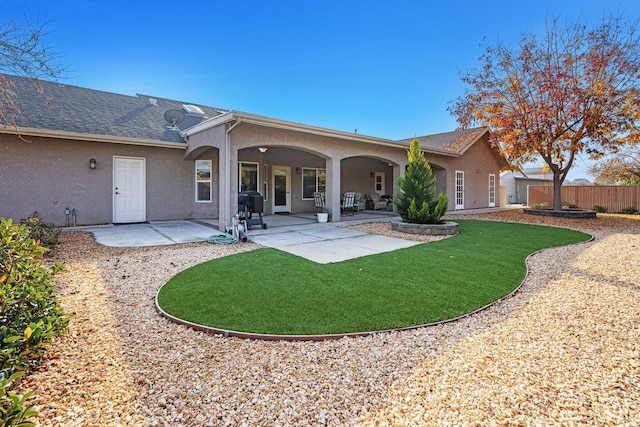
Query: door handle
x=117 y=192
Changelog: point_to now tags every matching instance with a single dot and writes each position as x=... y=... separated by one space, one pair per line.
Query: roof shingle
x=70 y=108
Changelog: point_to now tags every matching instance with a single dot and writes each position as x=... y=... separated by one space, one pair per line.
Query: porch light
x=92 y=163
x=262 y=149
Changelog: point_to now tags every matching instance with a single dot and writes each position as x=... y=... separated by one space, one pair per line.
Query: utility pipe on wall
x=227 y=189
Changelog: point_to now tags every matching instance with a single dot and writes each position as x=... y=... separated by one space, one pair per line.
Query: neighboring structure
x=516 y=183
x=112 y=158
x=579 y=181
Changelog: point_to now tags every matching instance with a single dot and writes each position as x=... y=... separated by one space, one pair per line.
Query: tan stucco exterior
x=351 y=163
x=50 y=174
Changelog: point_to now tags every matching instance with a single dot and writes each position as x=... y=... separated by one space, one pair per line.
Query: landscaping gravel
x=564 y=350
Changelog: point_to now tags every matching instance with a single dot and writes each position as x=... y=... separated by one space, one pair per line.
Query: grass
x=273 y=292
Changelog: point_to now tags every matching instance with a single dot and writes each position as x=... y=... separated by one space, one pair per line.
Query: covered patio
x=287 y=162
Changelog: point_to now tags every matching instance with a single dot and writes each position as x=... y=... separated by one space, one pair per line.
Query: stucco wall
x=357 y=171
x=49 y=175
x=476 y=163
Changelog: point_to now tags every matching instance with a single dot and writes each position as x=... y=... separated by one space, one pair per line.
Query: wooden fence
x=613 y=197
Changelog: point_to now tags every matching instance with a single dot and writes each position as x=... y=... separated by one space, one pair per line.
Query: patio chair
x=358 y=202
x=378 y=203
x=362 y=203
x=318 y=201
x=347 y=202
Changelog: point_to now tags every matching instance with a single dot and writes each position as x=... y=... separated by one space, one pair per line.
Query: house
x=516 y=183
x=578 y=181
x=109 y=158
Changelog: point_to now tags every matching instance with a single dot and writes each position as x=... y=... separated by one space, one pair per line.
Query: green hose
x=222 y=239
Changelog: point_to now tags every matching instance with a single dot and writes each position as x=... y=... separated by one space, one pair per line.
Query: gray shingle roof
x=455 y=142
x=70 y=108
x=67 y=108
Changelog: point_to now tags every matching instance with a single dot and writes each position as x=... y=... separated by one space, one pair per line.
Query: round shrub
x=44 y=232
x=30 y=316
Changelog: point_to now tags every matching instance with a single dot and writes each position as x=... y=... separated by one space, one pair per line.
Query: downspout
x=227 y=190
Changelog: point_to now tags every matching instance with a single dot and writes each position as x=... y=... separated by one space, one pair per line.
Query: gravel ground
x=565 y=350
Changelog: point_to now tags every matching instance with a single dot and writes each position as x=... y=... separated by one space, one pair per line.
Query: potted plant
x=323 y=215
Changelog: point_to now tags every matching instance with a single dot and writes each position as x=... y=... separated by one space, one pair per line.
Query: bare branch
x=24 y=52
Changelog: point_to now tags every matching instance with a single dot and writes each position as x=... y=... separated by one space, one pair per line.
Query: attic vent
x=153 y=101
x=192 y=110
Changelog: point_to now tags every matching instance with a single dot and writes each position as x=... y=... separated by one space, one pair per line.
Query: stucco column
x=332 y=191
x=397 y=171
x=228 y=176
x=223 y=185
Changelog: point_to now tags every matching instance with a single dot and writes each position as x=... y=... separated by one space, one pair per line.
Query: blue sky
x=385 y=68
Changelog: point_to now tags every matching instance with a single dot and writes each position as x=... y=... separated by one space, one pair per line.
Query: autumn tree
x=570 y=90
x=622 y=168
x=24 y=52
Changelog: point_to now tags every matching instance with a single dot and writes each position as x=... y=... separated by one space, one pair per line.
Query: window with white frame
x=203 y=181
x=492 y=190
x=313 y=180
x=379 y=183
x=248 y=172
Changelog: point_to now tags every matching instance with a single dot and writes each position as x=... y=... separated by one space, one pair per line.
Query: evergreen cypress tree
x=416 y=202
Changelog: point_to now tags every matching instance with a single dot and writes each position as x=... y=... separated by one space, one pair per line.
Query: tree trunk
x=557 y=191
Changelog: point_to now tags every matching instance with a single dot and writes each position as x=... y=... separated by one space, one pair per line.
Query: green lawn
x=270 y=291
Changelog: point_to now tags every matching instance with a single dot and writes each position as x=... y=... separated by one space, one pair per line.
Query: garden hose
x=222 y=239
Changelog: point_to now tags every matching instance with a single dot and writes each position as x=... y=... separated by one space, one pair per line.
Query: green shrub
x=30 y=316
x=600 y=209
x=45 y=232
x=417 y=202
x=629 y=210
x=13 y=408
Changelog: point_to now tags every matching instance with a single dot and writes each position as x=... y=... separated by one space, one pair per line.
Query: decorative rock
x=563 y=351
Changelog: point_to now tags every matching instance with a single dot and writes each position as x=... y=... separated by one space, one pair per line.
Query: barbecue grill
x=249 y=203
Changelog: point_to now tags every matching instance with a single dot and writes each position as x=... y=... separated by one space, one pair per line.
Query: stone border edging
x=447 y=228
x=565 y=213
x=322 y=337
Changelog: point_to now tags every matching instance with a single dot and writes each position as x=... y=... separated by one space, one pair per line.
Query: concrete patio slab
x=298 y=234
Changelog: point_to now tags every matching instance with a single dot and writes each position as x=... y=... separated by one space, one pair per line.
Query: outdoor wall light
x=92 y=164
x=262 y=149
x=373 y=174
x=298 y=171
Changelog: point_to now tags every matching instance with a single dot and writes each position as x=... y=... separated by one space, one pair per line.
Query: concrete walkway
x=298 y=234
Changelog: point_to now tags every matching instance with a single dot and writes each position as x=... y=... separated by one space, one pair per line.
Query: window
x=203 y=180
x=379 y=183
x=459 y=190
x=248 y=176
x=492 y=190
x=313 y=180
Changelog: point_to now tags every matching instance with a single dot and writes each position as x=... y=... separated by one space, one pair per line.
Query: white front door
x=129 y=192
x=459 y=190
x=492 y=190
x=281 y=178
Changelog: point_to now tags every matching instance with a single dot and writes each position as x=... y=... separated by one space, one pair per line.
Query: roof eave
x=248 y=118
x=47 y=133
